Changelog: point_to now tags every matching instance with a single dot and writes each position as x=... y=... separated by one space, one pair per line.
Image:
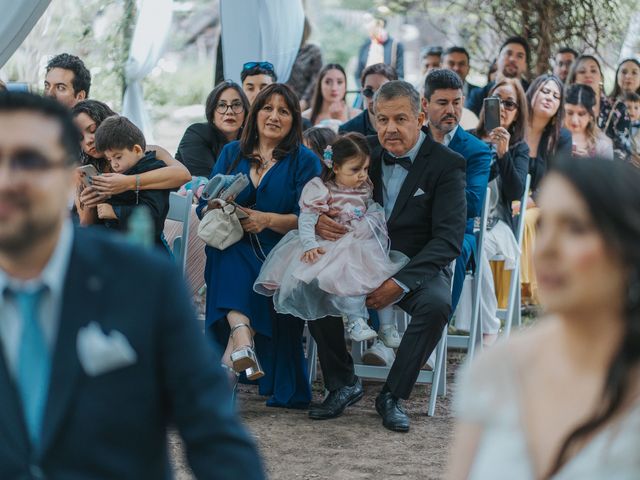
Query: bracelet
x=137 y=188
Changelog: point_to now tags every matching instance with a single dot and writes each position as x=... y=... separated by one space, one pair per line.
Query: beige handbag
x=220 y=227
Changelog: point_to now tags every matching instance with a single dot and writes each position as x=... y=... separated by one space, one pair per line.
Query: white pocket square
x=100 y=353
x=419 y=192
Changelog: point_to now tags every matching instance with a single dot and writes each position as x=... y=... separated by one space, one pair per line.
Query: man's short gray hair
x=396 y=89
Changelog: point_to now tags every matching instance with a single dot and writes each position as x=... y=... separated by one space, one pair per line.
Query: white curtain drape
x=260 y=30
x=147 y=46
x=16 y=21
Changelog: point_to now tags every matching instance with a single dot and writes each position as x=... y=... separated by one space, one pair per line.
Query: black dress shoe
x=337 y=401
x=393 y=416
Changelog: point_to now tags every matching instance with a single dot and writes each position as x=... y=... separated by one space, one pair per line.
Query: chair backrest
x=180 y=211
x=523 y=211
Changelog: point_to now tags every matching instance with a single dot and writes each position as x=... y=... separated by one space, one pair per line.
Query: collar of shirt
x=448 y=136
x=53 y=274
x=413 y=153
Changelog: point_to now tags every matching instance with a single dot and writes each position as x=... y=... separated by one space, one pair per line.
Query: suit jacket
x=113 y=425
x=539 y=165
x=478 y=158
x=360 y=123
x=363 y=54
x=427 y=227
x=199 y=148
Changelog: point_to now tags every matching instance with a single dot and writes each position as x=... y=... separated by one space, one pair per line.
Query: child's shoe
x=389 y=336
x=359 y=331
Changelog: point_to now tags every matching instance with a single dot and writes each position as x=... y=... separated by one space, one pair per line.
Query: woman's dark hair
x=518 y=128
x=98 y=112
x=617 y=91
x=493 y=68
x=345 y=148
x=317 y=139
x=250 y=139
x=317 y=100
x=584 y=96
x=610 y=190
x=210 y=107
x=554 y=126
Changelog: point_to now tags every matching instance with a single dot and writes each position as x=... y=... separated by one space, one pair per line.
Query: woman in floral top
x=613 y=119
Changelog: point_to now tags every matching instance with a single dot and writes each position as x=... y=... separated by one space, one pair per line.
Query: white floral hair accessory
x=327 y=157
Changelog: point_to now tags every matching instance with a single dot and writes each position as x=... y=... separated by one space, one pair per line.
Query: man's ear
x=421 y=118
x=81 y=95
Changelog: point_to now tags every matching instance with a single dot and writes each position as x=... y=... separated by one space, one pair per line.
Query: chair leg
x=439 y=374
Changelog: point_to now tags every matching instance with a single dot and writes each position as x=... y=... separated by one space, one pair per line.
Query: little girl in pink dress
x=312 y=278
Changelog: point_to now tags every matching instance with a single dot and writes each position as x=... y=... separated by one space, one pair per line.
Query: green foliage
x=190 y=85
x=339 y=44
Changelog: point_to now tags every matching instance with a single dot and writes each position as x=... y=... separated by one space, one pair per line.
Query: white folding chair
x=437 y=378
x=312 y=354
x=180 y=211
x=512 y=313
x=469 y=342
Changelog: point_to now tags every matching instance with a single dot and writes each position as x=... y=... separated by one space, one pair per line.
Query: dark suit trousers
x=429 y=307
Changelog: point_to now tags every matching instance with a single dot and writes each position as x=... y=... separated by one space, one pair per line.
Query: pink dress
x=351 y=267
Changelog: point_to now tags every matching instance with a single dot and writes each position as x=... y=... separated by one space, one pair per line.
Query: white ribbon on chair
x=149 y=38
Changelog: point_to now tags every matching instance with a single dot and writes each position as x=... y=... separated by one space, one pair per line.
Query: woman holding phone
x=88 y=115
x=507 y=180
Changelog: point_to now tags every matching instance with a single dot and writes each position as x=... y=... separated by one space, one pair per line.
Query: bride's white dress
x=488 y=394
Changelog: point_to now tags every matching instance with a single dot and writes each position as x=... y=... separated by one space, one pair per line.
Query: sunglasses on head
x=368 y=92
x=509 y=105
x=264 y=65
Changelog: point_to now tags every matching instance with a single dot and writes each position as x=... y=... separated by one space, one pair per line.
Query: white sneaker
x=389 y=336
x=359 y=331
x=378 y=355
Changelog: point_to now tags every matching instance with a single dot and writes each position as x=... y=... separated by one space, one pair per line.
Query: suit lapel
x=376 y=174
x=12 y=426
x=80 y=304
x=413 y=176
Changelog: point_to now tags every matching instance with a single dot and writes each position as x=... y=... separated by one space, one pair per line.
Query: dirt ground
x=354 y=446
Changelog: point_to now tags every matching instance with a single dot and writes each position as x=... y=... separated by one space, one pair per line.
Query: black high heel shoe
x=245 y=359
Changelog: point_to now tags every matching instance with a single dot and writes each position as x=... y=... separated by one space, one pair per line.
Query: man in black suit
x=457 y=59
x=99 y=347
x=421 y=185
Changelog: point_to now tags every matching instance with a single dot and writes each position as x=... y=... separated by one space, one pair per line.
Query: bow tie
x=404 y=162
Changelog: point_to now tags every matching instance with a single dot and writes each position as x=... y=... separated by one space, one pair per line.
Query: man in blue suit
x=99 y=347
x=443 y=102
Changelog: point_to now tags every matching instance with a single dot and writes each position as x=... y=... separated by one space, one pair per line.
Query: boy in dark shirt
x=123 y=145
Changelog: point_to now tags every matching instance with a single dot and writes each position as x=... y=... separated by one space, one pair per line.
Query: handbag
x=220 y=227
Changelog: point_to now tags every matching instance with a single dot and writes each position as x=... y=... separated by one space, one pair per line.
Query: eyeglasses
x=509 y=105
x=31 y=162
x=223 y=107
x=368 y=92
x=264 y=65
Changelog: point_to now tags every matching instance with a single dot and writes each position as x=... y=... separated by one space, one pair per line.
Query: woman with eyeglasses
x=329 y=106
x=88 y=115
x=225 y=110
x=507 y=179
x=611 y=113
x=546 y=137
x=580 y=119
x=257 y=342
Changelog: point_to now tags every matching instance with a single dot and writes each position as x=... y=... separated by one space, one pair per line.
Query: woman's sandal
x=244 y=358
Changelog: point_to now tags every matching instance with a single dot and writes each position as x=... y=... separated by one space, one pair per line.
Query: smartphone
x=491 y=107
x=86 y=172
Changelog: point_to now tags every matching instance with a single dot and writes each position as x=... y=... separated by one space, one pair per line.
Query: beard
x=444 y=127
x=27 y=234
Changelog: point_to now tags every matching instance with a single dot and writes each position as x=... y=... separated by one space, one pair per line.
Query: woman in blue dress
x=242 y=323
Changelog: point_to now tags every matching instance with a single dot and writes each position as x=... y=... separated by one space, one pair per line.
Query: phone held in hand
x=86 y=173
x=491 y=107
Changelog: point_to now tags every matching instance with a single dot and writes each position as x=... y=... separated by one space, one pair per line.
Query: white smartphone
x=86 y=172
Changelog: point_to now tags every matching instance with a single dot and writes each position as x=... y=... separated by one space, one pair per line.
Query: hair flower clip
x=327 y=157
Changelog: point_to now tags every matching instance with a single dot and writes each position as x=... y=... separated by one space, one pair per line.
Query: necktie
x=404 y=162
x=34 y=363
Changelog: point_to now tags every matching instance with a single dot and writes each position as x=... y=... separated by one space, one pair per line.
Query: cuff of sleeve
x=404 y=288
x=310 y=244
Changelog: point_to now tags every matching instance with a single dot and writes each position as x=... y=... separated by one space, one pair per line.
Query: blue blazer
x=478 y=157
x=113 y=425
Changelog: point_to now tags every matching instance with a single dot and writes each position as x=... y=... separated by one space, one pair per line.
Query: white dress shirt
x=53 y=279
